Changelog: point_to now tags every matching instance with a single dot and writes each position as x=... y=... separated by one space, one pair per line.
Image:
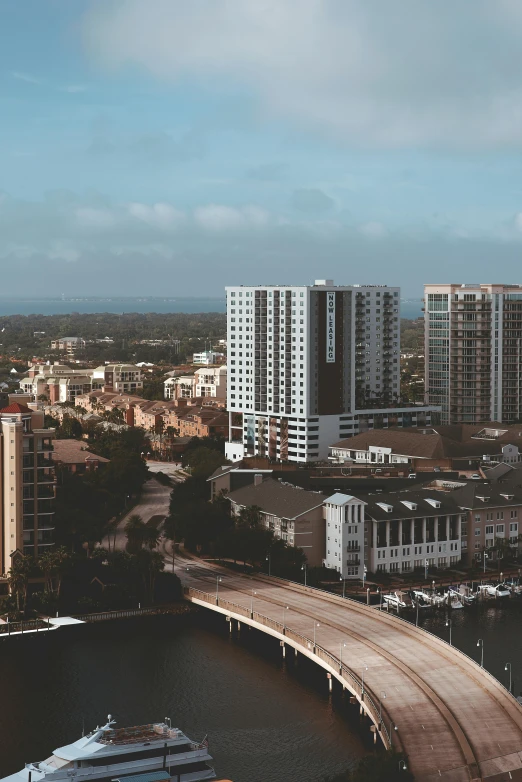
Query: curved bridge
x=454 y=720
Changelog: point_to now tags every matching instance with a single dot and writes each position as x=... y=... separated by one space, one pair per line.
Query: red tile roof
x=16 y=408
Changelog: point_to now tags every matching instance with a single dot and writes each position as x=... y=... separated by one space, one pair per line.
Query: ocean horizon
x=91 y=305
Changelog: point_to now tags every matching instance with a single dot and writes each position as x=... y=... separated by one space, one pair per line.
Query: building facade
x=306 y=364
x=473 y=338
x=27 y=483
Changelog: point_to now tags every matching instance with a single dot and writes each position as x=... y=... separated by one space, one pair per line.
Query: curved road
x=455 y=721
x=154 y=501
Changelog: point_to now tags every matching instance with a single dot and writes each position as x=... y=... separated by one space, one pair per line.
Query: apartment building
x=305 y=364
x=27 y=483
x=68 y=344
x=205 y=383
x=208 y=357
x=120 y=378
x=473 y=337
x=292 y=514
x=392 y=533
x=60 y=383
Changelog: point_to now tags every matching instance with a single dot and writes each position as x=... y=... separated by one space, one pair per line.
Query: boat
x=454 y=598
x=146 y=753
x=498 y=590
x=466 y=594
x=420 y=598
x=514 y=586
x=397 y=600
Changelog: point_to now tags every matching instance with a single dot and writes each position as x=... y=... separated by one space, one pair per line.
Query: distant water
x=410 y=308
x=115 y=305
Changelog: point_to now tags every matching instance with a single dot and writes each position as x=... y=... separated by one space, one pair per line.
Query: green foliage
x=203 y=461
x=140 y=533
x=69 y=428
x=381 y=767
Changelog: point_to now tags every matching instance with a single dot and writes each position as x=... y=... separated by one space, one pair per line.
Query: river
x=267 y=721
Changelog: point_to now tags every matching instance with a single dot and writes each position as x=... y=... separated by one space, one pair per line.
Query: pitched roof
x=419 y=500
x=277 y=498
x=74 y=452
x=438 y=442
x=16 y=407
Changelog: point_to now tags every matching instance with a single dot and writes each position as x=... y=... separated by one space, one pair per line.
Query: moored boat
x=147 y=753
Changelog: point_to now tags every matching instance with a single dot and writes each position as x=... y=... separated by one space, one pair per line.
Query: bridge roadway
x=454 y=720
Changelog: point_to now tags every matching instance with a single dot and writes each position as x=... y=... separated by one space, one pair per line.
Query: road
x=455 y=721
x=154 y=501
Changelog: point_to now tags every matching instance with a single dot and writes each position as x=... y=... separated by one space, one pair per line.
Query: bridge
x=453 y=719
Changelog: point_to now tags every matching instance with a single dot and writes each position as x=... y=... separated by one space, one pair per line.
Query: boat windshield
x=56 y=762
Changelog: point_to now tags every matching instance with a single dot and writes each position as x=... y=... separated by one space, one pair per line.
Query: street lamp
x=285 y=609
x=391 y=734
x=402 y=765
x=365 y=570
x=252 y=603
x=341 y=656
x=480 y=643
x=304 y=567
x=344 y=585
x=448 y=624
x=218 y=579
x=382 y=697
x=269 y=560
x=425 y=570
x=362 y=684
x=506 y=667
x=316 y=624
x=417 y=612
x=485 y=557
x=380 y=598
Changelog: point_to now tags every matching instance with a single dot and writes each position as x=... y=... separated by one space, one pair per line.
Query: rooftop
x=15 y=407
x=74 y=452
x=277 y=498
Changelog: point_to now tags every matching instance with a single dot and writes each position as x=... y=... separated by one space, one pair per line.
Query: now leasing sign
x=330 y=327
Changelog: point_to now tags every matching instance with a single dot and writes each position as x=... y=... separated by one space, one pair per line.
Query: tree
x=250 y=516
x=69 y=428
x=18 y=578
x=203 y=461
x=135 y=530
x=54 y=563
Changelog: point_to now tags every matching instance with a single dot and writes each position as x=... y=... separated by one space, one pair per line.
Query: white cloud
x=88 y=217
x=409 y=72
x=25 y=77
x=216 y=217
x=163 y=216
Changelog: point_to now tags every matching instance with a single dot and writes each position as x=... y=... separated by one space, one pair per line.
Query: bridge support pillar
x=283 y=648
x=374 y=731
x=239 y=627
x=330 y=681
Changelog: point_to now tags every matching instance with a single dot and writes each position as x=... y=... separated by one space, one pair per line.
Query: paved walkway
x=154 y=501
x=455 y=721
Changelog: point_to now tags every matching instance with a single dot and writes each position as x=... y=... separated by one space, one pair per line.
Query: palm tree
x=135 y=530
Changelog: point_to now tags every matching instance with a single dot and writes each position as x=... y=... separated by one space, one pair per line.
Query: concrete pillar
x=424 y=540
x=330 y=681
x=448 y=536
x=400 y=535
x=387 y=533
x=412 y=532
x=374 y=535
x=283 y=647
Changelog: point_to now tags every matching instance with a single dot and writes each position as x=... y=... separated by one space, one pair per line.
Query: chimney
x=258 y=479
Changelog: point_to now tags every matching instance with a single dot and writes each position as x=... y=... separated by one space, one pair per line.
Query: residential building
x=68 y=344
x=473 y=335
x=392 y=533
x=27 y=483
x=181 y=387
x=306 y=364
x=462 y=447
x=121 y=378
x=208 y=357
x=74 y=456
x=211 y=383
x=293 y=514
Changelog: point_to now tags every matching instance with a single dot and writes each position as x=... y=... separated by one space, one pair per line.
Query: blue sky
x=161 y=146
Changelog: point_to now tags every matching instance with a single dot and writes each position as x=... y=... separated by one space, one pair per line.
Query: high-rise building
x=27 y=483
x=304 y=361
x=473 y=351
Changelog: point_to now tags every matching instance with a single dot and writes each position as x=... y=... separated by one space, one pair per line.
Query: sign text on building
x=330 y=327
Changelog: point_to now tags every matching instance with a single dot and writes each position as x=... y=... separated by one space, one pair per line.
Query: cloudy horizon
x=171 y=148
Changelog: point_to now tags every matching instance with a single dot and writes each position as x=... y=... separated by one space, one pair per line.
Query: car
x=476 y=477
x=437 y=469
x=412 y=475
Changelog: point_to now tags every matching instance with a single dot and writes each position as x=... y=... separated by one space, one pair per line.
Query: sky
x=173 y=147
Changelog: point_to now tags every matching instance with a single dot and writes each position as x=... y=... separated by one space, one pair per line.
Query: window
x=477 y=532
x=489 y=530
x=500 y=529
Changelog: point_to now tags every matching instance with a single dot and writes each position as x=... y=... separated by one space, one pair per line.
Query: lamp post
x=508 y=667
x=417 y=612
x=425 y=570
x=269 y=560
x=218 y=579
x=402 y=765
x=485 y=557
x=365 y=570
x=362 y=682
x=480 y=643
x=316 y=624
x=344 y=585
x=285 y=609
x=382 y=697
x=252 y=604
x=341 y=656
x=380 y=599
x=391 y=734
x=304 y=567
x=448 y=624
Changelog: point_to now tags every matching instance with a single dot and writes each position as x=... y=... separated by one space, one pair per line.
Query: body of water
x=266 y=721
x=410 y=308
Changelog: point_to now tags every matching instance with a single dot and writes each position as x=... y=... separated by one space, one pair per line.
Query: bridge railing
x=355 y=684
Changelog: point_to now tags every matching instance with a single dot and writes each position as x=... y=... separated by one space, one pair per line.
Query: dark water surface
x=266 y=722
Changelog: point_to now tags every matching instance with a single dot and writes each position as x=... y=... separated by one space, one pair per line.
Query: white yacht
x=146 y=753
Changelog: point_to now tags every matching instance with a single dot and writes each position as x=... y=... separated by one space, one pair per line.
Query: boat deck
x=138 y=734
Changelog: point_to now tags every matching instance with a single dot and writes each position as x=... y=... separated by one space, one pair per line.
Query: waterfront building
x=310 y=364
x=463 y=447
x=205 y=383
x=27 y=483
x=473 y=335
x=67 y=344
x=60 y=383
